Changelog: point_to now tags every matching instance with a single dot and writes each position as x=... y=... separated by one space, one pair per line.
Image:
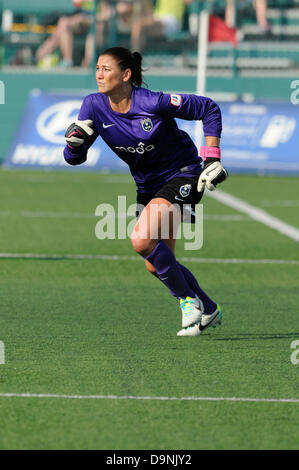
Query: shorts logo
x=185 y=190
x=146 y=124
x=175 y=100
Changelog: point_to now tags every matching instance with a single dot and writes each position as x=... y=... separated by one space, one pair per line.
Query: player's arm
x=80 y=135
x=78 y=138
x=193 y=107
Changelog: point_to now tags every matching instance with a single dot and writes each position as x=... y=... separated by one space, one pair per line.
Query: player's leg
x=148 y=239
x=185 y=190
x=211 y=315
x=170 y=242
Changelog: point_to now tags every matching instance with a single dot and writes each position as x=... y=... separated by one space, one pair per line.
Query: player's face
x=109 y=76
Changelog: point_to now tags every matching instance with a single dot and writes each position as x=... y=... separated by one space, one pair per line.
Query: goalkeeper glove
x=213 y=172
x=78 y=133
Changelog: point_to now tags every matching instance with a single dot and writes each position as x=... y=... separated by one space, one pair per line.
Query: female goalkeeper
x=139 y=126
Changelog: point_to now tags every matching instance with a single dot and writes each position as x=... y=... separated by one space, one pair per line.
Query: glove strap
x=210 y=152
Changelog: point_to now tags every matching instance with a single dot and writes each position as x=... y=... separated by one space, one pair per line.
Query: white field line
x=255 y=213
x=45 y=256
x=132 y=397
x=67 y=215
x=120 y=215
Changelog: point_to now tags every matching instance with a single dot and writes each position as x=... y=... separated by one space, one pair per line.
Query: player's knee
x=143 y=246
x=140 y=245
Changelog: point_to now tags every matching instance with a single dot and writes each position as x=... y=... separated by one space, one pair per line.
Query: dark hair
x=128 y=60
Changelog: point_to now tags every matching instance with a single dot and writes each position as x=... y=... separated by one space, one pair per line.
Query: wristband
x=210 y=152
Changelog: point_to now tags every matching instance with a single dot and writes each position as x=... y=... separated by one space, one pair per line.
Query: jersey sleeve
x=192 y=107
x=78 y=155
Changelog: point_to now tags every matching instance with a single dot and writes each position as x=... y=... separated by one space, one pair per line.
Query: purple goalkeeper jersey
x=147 y=137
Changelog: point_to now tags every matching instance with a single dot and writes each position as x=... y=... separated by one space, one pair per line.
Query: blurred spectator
x=260 y=9
x=80 y=23
x=123 y=13
x=67 y=26
x=165 y=18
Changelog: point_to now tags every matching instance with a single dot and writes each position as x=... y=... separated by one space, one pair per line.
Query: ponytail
x=138 y=69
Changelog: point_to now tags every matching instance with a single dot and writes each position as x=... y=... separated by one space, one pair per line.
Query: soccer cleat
x=192 y=309
x=206 y=321
x=192 y=330
x=211 y=320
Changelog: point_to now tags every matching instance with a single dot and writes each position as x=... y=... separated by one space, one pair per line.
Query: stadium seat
x=26 y=24
x=258 y=53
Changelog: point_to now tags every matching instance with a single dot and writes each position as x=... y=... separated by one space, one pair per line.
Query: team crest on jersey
x=175 y=100
x=146 y=124
x=185 y=190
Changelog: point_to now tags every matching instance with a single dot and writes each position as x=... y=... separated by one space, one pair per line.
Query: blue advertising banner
x=39 y=140
x=257 y=137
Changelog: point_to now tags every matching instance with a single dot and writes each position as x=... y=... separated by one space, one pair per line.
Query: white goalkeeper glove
x=213 y=172
x=79 y=132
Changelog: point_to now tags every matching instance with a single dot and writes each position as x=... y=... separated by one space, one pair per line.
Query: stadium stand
x=274 y=53
x=25 y=25
x=258 y=53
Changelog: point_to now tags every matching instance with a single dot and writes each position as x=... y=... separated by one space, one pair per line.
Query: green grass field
x=101 y=326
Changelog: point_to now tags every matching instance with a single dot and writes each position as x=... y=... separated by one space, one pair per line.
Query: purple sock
x=167 y=268
x=209 y=305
